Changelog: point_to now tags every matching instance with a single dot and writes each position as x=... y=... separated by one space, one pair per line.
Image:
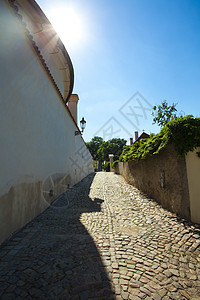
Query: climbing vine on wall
x=183 y=132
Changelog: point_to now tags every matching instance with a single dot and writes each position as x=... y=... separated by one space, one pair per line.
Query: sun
x=68 y=24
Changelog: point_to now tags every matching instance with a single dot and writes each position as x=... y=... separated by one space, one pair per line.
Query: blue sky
x=133 y=55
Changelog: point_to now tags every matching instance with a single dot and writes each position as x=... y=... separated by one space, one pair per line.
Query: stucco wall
x=193 y=174
x=162 y=177
x=40 y=156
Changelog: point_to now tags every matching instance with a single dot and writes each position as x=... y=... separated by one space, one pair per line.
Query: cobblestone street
x=102 y=239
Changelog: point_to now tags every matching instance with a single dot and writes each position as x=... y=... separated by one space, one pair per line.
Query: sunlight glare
x=68 y=24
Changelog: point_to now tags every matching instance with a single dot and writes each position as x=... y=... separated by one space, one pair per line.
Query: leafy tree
x=114 y=146
x=94 y=145
x=164 y=113
x=104 y=151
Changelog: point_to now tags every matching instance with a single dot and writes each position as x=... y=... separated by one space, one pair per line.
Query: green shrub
x=107 y=166
x=183 y=132
x=113 y=165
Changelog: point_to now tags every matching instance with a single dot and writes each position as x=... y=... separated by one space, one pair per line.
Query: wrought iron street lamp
x=82 y=125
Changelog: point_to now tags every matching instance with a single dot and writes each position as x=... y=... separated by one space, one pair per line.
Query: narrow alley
x=102 y=239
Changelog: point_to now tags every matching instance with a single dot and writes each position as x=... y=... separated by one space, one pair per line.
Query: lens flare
x=68 y=24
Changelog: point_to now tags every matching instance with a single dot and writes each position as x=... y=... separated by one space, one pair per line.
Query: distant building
x=144 y=135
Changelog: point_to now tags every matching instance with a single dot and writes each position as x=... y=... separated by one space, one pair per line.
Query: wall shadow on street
x=54 y=256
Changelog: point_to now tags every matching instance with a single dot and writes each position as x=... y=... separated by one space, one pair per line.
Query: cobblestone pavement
x=102 y=239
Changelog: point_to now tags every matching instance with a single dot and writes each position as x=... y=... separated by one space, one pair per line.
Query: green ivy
x=183 y=132
x=107 y=166
x=113 y=165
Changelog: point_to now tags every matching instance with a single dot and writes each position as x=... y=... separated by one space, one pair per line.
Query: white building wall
x=38 y=143
x=193 y=171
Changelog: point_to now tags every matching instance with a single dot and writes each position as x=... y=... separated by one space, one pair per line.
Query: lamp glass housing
x=83 y=124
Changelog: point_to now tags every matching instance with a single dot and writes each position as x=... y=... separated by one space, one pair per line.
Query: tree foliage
x=101 y=149
x=114 y=146
x=183 y=132
x=94 y=145
x=163 y=113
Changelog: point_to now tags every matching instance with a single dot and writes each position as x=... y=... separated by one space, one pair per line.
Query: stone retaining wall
x=162 y=177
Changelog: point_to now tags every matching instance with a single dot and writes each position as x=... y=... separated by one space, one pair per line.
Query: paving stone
x=115 y=265
x=132 y=297
x=124 y=295
x=102 y=239
x=174 y=272
x=141 y=295
x=156 y=297
x=118 y=297
x=136 y=284
x=145 y=291
x=144 y=280
x=167 y=273
x=185 y=294
x=162 y=292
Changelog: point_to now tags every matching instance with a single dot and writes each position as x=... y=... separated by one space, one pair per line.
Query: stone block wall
x=162 y=177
